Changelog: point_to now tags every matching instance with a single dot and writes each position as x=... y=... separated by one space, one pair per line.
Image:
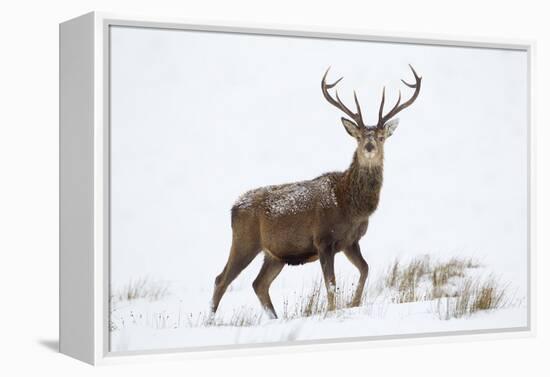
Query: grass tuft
x=240 y=317
x=142 y=288
x=313 y=300
x=422 y=279
x=473 y=296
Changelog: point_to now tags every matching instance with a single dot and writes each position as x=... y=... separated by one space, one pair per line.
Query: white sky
x=198 y=118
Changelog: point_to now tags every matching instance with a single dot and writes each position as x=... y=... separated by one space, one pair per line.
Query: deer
x=302 y=222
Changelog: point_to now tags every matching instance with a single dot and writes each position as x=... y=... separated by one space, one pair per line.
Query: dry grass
x=422 y=279
x=473 y=296
x=241 y=317
x=449 y=284
x=313 y=300
x=444 y=273
x=142 y=288
x=405 y=279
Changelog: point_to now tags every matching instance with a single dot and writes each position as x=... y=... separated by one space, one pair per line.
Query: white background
x=197 y=118
x=28 y=195
x=189 y=134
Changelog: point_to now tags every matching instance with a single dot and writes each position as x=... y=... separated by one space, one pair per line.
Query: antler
x=382 y=119
x=356 y=117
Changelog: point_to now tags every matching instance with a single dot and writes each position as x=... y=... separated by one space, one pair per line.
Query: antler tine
x=357 y=105
x=398 y=99
x=416 y=77
x=414 y=73
x=329 y=86
x=398 y=106
x=395 y=106
x=409 y=85
x=357 y=117
x=381 y=110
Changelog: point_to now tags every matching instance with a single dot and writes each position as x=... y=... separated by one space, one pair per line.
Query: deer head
x=370 y=139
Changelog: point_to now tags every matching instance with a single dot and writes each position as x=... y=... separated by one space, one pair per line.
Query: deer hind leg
x=353 y=253
x=269 y=271
x=239 y=258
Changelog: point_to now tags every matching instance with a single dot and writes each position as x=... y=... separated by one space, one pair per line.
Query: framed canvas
x=222 y=189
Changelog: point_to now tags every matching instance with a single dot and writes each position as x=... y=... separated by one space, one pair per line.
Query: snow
x=291 y=198
x=167 y=326
x=182 y=319
x=189 y=135
x=342 y=327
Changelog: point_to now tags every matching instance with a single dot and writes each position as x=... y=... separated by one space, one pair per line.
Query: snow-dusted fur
x=301 y=222
x=305 y=221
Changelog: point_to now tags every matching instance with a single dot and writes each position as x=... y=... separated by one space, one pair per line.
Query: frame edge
x=76 y=191
x=103 y=20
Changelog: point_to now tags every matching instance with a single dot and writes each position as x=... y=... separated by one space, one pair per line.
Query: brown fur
x=302 y=222
x=321 y=230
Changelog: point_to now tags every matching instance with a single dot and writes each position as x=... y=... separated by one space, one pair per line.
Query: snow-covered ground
x=180 y=319
x=398 y=319
x=198 y=118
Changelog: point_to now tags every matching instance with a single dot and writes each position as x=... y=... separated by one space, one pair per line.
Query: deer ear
x=391 y=126
x=351 y=127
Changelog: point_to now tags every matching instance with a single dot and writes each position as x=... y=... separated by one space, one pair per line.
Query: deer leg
x=269 y=271
x=239 y=259
x=326 y=257
x=353 y=253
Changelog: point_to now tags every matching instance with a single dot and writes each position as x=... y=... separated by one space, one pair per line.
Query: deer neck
x=360 y=187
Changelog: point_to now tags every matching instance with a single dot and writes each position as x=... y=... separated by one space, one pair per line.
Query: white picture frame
x=85 y=195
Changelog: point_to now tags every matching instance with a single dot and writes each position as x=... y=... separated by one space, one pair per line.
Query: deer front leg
x=353 y=253
x=326 y=257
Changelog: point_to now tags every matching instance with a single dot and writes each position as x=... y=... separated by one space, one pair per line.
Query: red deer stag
x=301 y=222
